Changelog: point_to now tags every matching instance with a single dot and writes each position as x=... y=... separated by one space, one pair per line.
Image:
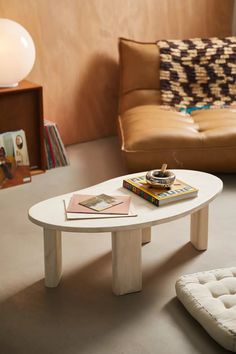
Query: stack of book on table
x=160 y=196
x=56 y=155
x=83 y=206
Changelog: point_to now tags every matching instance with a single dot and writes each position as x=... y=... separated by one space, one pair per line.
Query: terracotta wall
x=77 y=58
x=234 y=20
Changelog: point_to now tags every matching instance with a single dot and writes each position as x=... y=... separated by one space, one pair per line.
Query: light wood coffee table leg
x=52 y=257
x=126 y=261
x=199 y=229
x=146 y=235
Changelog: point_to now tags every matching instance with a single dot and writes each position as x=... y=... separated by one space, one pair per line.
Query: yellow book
x=160 y=196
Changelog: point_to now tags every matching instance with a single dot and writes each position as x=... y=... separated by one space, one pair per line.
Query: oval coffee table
x=128 y=233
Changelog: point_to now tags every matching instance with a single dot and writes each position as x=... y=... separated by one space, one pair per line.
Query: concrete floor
x=82 y=316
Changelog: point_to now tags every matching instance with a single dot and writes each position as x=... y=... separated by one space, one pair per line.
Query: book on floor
x=94 y=215
x=90 y=204
x=55 y=151
x=14 y=159
x=159 y=196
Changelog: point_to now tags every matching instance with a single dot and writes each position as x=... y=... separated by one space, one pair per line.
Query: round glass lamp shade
x=17 y=53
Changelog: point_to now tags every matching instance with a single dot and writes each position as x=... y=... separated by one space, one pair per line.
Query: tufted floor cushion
x=204 y=141
x=210 y=297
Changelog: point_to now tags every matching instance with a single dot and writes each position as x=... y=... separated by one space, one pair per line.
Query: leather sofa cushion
x=139 y=73
x=139 y=65
x=139 y=98
x=150 y=128
x=210 y=297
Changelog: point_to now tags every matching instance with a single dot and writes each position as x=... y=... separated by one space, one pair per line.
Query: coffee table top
x=51 y=214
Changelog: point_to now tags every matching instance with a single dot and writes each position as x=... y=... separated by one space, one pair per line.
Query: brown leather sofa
x=151 y=136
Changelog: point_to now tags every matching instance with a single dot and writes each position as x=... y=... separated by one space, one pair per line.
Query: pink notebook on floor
x=122 y=208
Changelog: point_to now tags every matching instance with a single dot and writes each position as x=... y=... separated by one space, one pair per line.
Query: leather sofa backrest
x=139 y=74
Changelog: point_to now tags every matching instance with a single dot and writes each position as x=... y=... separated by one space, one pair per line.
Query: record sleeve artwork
x=14 y=159
x=196 y=72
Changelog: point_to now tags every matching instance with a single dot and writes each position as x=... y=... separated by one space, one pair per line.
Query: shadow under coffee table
x=128 y=233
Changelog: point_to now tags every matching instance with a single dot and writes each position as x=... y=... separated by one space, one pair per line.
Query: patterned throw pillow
x=198 y=72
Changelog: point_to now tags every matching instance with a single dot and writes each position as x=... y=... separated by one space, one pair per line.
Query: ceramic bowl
x=156 y=178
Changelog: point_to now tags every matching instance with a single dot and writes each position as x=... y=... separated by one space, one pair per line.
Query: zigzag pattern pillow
x=196 y=72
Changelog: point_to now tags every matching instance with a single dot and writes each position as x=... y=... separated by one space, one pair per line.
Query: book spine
x=61 y=145
x=64 y=162
x=50 y=146
x=47 y=151
x=55 y=147
x=46 y=154
x=140 y=193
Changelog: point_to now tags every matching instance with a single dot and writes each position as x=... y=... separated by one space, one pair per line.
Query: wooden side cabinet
x=21 y=107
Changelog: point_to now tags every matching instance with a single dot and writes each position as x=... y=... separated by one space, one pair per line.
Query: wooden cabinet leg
x=199 y=229
x=52 y=257
x=146 y=235
x=126 y=261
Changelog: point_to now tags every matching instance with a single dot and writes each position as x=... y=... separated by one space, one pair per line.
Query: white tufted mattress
x=210 y=297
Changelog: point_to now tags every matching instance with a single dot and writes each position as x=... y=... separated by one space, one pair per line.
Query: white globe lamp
x=17 y=53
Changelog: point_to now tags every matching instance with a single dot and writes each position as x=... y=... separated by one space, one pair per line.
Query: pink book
x=122 y=208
